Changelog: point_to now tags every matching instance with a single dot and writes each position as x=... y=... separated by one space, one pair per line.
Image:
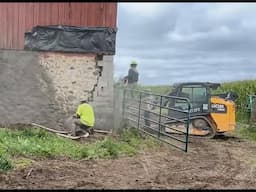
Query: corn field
x=242 y=88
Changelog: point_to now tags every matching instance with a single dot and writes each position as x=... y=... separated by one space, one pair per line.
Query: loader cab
x=199 y=95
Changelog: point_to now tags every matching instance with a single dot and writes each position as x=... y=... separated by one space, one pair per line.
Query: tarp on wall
x=99 y=40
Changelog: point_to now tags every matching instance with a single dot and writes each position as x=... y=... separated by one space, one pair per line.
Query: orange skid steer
x=209 y=115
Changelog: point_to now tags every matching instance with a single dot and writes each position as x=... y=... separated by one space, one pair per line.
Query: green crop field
x=242 y=88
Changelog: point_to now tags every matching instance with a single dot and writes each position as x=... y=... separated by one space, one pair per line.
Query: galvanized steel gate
x=149 y=113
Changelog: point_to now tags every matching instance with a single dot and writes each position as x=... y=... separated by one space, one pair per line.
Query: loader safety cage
x=148 y=112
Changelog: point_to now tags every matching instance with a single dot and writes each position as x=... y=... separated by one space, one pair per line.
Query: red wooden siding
x=18 y=18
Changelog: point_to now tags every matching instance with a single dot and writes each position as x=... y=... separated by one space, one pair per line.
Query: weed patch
x=5 y=164
x=30 y=142
x=247 y=132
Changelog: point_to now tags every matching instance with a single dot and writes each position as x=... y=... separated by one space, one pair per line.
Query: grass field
x=29 y=143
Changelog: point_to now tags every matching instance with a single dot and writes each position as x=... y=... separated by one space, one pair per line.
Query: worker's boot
x=90 y=131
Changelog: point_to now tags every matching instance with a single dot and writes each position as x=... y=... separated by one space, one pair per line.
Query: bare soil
x=224 y=163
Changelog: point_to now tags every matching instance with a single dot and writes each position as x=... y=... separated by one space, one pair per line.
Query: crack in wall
x=74 y=77
x=99 y=70
x=45 y=88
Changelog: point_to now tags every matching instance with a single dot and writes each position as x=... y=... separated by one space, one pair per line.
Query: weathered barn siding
x=18 y=18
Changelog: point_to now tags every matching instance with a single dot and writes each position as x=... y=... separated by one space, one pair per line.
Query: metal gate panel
x=151 y=114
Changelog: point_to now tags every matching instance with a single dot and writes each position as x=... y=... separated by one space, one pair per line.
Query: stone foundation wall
x=74 y=77
x=45 y=88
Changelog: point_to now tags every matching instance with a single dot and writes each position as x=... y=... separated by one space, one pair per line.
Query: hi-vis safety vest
x=86 y=113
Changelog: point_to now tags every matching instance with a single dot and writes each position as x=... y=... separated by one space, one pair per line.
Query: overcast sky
x=179 y=42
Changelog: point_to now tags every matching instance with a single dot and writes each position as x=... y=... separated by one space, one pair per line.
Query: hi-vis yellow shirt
x=86 y=113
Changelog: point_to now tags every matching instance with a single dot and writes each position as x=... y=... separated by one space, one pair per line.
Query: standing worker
x=133 y=76
x=82 y=120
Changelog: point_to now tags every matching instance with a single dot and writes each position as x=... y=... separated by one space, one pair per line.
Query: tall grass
x=242 y=88
x=32 y=142
x=247 y=131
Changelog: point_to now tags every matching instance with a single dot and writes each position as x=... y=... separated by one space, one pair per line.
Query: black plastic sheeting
x=99 y=40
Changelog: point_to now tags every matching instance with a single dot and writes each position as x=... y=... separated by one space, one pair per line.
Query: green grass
x=246 y=131
x=5 y=164
x=32 y=142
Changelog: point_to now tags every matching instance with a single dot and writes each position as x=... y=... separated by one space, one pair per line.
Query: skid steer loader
x=209 y=115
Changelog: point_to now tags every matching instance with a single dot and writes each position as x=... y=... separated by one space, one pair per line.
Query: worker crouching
x=83 y=120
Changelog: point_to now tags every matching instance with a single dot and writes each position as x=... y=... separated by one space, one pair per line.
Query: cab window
x=199 y=94
x=195 y=94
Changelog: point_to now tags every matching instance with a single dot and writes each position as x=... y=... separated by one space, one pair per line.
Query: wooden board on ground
x=49 y=129
x=73 y=137
x=66 y=132
x=102 y=131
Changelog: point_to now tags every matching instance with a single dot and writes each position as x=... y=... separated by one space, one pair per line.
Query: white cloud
x=147 y=10
x=187 y=42
x=226 y=11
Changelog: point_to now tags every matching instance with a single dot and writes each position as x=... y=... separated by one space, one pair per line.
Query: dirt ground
x=226 y=163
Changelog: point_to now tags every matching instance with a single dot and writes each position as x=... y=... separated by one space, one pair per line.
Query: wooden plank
x=49 y=129
x=103 y=13
x=75 y=14
x=111 y=14
x=15 y=27
x=73 y=137
x=66 y=132
x=21 y=32
x=102 y=131
x=91 y=17
x=84 y=10
x=8 y=33
x=35 y=14
x=98 y=15
x=65 y=10
x=2 y=18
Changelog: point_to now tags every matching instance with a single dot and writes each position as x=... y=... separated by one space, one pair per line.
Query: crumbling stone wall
x=46 y=87
x=74 y=77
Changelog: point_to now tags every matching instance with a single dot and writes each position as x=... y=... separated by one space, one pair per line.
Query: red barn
x=18 y=18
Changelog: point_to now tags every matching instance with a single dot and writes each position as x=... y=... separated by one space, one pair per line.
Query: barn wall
x=18 y=18
x=46 y=88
